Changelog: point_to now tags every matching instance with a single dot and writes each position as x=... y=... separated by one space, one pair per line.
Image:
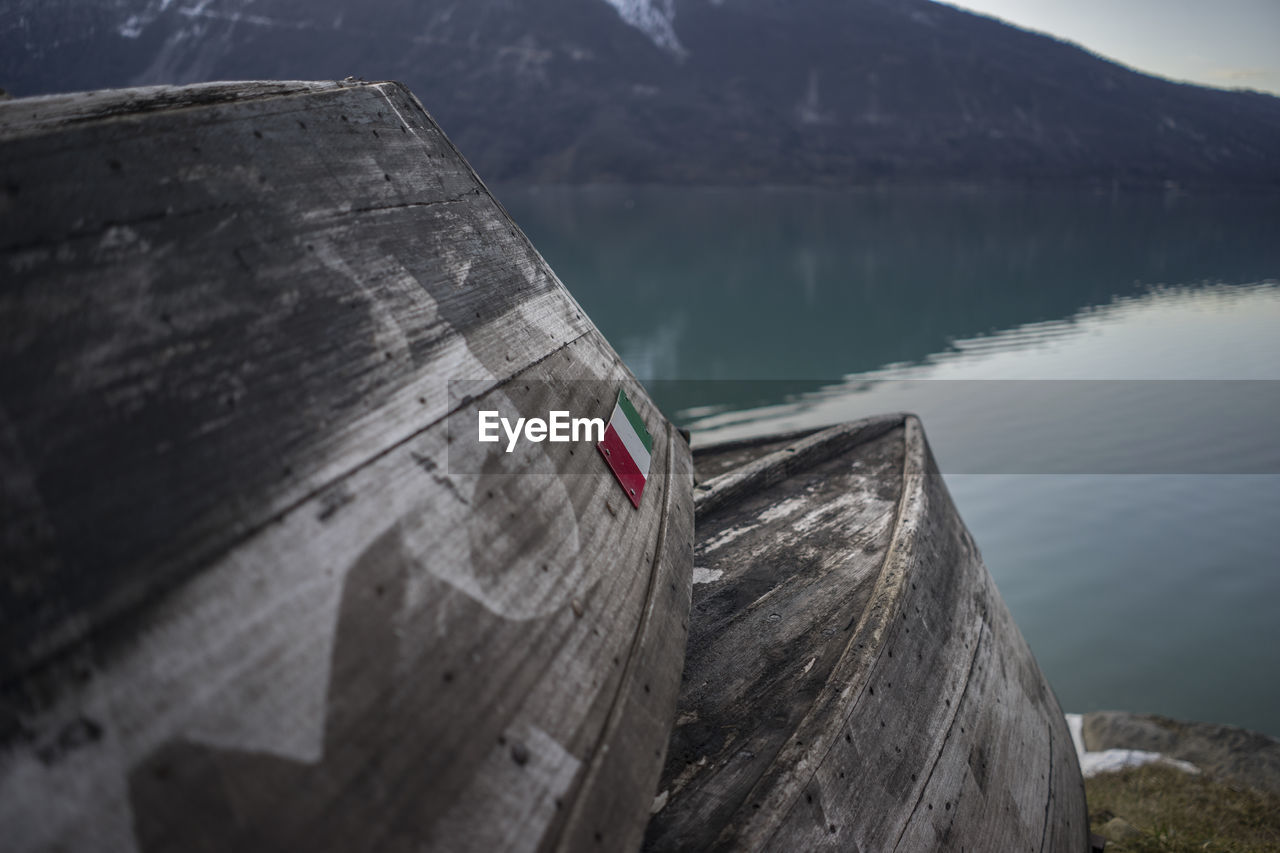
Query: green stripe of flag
x=636 y=423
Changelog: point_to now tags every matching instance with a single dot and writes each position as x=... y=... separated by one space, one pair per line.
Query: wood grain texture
x=720 y=458
x=853 y=680
x=259 y=594
x=799 y=455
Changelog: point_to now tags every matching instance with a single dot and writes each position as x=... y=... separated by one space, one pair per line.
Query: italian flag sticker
x=627 y=447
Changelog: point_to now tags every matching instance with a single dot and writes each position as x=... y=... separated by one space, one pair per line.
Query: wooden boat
x=853 y=680
x=252 y=599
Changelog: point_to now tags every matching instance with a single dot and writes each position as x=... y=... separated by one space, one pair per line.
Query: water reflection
x=1038 y=398
x=802 y=285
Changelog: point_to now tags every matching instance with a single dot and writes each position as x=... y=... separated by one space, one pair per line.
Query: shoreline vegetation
x=1157 y=784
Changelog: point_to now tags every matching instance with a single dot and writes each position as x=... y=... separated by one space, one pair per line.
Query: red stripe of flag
x=624 y=467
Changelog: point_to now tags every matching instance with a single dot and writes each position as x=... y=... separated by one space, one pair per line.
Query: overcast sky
x=1228 y=43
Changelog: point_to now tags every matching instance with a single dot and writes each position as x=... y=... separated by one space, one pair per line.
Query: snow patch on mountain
x=654 y=18
x=133 y=26
x=197 y=16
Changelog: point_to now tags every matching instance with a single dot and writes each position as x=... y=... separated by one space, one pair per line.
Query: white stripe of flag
x=628 y=448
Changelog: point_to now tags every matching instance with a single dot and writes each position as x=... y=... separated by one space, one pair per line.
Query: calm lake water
x=1099 y=377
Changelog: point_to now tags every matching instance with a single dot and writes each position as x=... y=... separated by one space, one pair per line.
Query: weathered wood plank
x=272 y=310
x=720 y=458
x=260 y=595
x=926 y=724
x=781 y=580
x=48 y=113
x=640 y=723
x=796 y=456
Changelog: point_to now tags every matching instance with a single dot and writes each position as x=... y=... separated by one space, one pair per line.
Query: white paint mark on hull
x=701 y=575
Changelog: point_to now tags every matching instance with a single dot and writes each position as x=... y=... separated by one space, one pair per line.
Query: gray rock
x=1119 y=829
x=1235 y=754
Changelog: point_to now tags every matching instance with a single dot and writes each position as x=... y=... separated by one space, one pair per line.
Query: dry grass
x=1178 y=812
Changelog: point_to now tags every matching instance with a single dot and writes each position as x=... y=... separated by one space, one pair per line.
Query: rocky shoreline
x=1113 y=740
x=1158 y=784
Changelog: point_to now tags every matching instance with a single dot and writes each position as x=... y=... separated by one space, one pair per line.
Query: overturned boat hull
x=853 y=680
x=256 y=596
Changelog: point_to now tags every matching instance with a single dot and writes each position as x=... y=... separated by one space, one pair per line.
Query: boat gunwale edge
x=774 y=467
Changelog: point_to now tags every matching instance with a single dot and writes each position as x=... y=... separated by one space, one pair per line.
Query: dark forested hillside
x=689 y=91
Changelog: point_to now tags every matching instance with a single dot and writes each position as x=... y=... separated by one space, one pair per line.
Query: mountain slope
x=707 y=91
